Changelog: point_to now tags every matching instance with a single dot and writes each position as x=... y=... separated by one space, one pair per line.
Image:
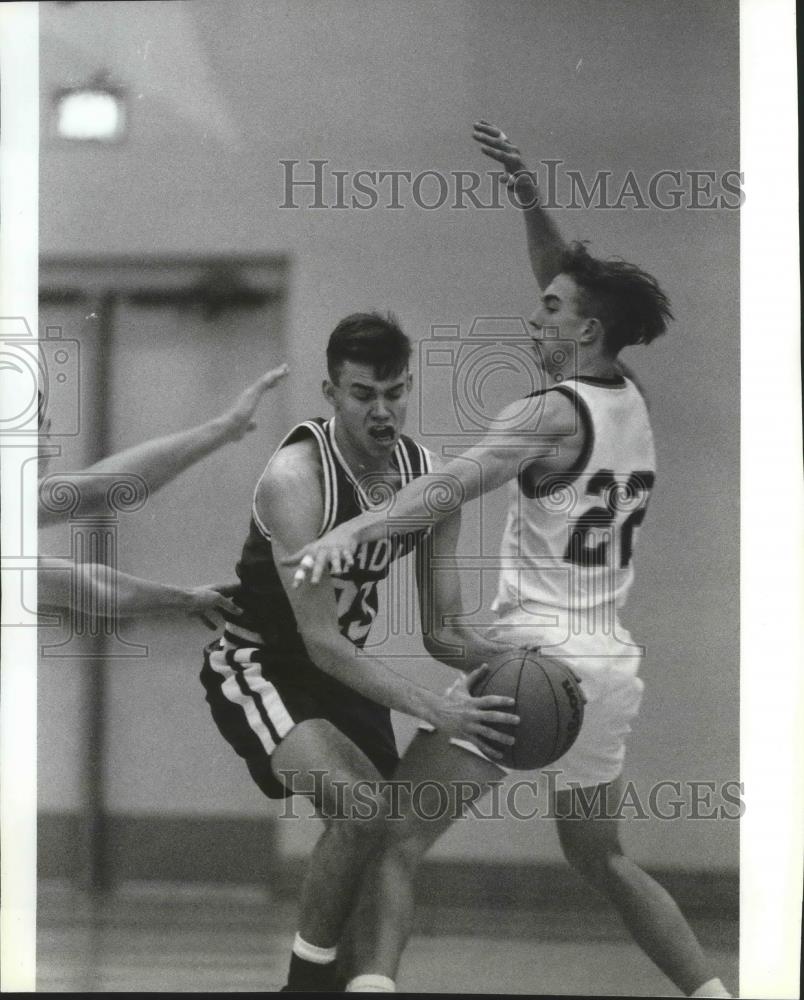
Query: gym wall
x=219 y=94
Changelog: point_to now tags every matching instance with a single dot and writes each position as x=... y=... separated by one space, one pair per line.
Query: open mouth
x=384 y=435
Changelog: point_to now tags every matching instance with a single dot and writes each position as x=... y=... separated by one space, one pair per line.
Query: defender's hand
x=333 y=553
x=240 y=419
x=464 y=717
x=495 y=144
x=209 y=604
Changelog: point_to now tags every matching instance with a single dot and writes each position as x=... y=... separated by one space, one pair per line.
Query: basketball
x=549 y=704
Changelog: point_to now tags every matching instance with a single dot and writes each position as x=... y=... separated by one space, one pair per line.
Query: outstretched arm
x=545 y=243
x=100 y=590
x=542 y=432
x=159 y=461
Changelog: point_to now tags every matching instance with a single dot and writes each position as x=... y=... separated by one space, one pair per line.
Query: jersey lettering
x=593 y=534
x=586 y=518
x=356 y=608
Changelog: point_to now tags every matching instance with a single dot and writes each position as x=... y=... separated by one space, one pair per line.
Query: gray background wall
x=219 y=94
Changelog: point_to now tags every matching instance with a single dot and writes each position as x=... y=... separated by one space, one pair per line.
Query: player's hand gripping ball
x=549 y=704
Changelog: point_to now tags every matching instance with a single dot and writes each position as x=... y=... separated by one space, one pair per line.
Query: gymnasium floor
x=179 y=938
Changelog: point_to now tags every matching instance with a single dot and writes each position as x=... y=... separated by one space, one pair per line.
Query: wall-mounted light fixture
x=94 y=112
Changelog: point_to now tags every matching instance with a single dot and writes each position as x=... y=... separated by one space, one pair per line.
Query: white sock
x=312 y=953
x=712 y=988
x=371 y=984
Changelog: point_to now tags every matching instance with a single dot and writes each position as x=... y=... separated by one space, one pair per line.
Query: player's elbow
x=445 y=646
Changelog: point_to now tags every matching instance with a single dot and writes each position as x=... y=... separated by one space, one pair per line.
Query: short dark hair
x=369 y=338
x=627 y=300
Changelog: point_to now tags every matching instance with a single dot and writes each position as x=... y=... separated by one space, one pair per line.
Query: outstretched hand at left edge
x=239 y=420
x=210 y=602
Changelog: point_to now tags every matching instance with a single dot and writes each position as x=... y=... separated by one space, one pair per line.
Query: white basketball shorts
x=596 y=647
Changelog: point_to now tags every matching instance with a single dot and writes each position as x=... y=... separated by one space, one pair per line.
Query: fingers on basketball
x=504 y=739
x=549 y=705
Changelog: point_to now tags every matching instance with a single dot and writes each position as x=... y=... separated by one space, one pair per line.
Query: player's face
x=370 y=411
x=557 y=317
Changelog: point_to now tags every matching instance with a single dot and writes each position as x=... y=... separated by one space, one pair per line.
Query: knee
x=402 y=854
x=361 y=825
x=595 y=862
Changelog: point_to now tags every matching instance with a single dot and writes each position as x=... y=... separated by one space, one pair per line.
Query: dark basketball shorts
x=257 y=694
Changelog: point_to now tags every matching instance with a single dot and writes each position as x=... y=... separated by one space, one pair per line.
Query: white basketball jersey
x=569 y=538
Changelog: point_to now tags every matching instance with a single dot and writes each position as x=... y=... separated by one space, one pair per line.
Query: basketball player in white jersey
x=579 y=459
x=289 y=684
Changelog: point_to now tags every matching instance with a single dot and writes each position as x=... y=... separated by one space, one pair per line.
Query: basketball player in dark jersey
x=587 y=436
x=289 y=684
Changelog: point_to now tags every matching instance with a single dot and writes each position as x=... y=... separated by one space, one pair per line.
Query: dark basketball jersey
x=268 y=617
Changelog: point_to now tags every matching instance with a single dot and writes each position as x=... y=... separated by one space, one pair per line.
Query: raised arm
x=289 y=501
x=159 y=461
x=68 y=586
x=541 y=432
x=545 y=243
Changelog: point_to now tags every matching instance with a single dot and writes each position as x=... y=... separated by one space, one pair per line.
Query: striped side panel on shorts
x=244 y=685
x=236 y=635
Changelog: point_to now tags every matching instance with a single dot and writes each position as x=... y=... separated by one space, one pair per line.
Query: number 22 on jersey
x=608 y=528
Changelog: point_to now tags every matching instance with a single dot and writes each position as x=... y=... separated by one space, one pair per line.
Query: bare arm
x=445 y=637
x=290 y=503
x=553 y=445
x=159 y=461
x=546 y=246
x=98 y=589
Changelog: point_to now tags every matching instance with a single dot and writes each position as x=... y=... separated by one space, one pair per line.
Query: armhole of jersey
x=330 y=477
x=403 y=461
x=414 y=460
x=426 y=465
x=629 y=376
x=328 y=466
x=261 y=526
x=413 y=456
x=584 y=416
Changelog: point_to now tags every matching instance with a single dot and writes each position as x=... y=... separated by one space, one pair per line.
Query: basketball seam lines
x=558 y=712
x=516 y=696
